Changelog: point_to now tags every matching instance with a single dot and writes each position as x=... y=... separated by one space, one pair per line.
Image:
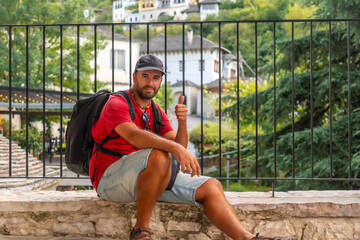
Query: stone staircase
x=19 y=180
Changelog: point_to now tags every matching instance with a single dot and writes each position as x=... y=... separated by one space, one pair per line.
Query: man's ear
x=134 y=77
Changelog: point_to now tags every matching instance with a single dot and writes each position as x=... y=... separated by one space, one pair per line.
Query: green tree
x=45 y=12
x=160 y=96
x=302 y=164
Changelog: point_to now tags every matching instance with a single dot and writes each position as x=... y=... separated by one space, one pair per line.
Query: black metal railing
x=63 y=97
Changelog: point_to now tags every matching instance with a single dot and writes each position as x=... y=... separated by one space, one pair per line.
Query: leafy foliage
x=160 y=96
x=40 y=12
x=34 y=139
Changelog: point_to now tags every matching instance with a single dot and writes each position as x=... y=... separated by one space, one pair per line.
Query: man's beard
x=145 y=96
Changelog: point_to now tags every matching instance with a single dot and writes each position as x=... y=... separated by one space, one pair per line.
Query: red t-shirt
x=115 y=112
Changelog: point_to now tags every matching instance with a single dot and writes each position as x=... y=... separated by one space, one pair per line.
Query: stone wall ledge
x=300 y=214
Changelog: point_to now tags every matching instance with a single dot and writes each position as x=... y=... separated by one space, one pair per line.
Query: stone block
x=357 y=230
x=200 y=236
x=313 y=230
x=157 y=226
x=65 y=218
x=183 y=226
x=339 y=231
x=112 y=226
x=84 y=229
x=278 y=228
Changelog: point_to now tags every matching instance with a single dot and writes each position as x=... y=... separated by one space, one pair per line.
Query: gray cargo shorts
x=119 y=182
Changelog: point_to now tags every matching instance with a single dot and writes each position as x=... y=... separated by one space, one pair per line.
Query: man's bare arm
x=145 y=139
x=181 y=136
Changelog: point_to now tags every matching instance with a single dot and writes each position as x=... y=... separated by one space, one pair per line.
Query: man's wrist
x=182 y=122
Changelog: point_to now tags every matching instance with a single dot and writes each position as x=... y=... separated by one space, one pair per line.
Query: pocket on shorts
x=117 y=193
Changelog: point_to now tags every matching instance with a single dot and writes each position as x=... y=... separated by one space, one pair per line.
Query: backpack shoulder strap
x=157 y=118
x=131 y=105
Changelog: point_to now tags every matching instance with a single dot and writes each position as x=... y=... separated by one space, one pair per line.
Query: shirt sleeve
x=116 y=111
x=167 y=128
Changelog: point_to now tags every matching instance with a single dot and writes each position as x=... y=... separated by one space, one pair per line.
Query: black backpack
x=79 y=140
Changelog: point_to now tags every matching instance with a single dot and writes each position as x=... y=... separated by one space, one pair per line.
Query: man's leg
x=219 y=210
x=151 y=184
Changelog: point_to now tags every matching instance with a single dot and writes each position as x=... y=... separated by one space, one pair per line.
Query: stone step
x=16 y=165
x=31 y=183
x=22 y=172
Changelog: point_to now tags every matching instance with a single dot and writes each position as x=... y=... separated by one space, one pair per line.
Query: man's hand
x=187 y=161
x=181 y=110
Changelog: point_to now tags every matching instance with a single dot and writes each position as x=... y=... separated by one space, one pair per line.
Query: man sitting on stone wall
x=143 y=174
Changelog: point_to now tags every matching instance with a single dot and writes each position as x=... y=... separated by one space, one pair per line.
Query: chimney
x=190 y=36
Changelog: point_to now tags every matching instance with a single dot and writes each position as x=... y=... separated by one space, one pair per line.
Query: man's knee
x=211 y=189
x=214 y=186
x=160 y=161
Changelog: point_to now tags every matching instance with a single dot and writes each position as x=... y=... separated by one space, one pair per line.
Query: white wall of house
x=119 y=9
x=191 y=97
x=192 y=66
x=122 y=64
x=153 y=15
x=131 y=17
x=207 y=9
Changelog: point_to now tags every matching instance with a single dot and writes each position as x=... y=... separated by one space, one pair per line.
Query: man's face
x=147 y=83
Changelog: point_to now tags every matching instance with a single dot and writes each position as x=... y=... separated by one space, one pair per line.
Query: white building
x=122 y=65
x=192 y=59
x=203 y=8
x=190 y=70
x=131 y=17
x=119 y=12
x=157 y=10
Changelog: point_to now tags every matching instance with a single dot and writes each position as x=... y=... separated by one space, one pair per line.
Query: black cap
x=149 y=62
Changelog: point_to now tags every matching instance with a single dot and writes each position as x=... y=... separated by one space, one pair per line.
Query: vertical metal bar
x=95 y=58
x=130 y=55
x=165 y=45
x=44 y=109
x=202 y=97
x=238 y=98
x=274 y=114
x=78 y=62
x=256 y=100
x=311 y=102
x=349 y=96
x=10 y=101
x=183 y=58
x=61 y=97
x=27 y=101
x=330 y=103
x=220 y=85
x=147 y=38
x=113 y=59
x=293 y=98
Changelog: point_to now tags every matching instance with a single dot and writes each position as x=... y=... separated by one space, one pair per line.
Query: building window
x=180 y=66
x=135 y=19
x=150 y=15
x=174 y=12
x=203 y=65
x=143 y=16
x=119 y=59
x=216 y=66
x=233 y=73
x=208 y=7
x=143 y=6
x=151 y=5
x=147 y=5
